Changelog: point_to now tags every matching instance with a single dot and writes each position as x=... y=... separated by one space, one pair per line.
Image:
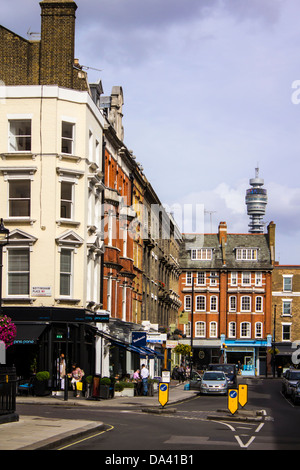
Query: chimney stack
x=57 y=42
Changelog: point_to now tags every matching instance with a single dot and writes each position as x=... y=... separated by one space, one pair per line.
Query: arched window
x=246 y=303
x=200 y=303
x=187 y=302
x=214 y=303
x=213 y=329
x=232 y=303
x=245 y=330
x=259 y=304
x=232 y=329
x=200 y=329
x=258 y=330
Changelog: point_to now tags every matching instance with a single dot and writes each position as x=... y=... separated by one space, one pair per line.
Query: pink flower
x=8 y=331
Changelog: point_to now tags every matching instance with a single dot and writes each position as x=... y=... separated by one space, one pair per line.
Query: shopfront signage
x=139 y=338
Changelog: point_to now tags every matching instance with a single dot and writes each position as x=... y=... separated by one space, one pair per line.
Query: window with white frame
x=188 y=279
x=246 y=278
x=258 y=330
x=232 y=303
x=246 y=303
x=200 y=329
x=67 y=137
x=187 y=302
x=258 y=304
x=213 y=278
x=201 y=278
x=213 y=329
x=66 y=272
x=232 y=329
x=67 y=200
x=287 y=307
x=213 y=303
x=187 y=329
x=246 y=254
x=245 y=330
x=287 y=283
x=19 y=135
x=201 y=254
x=286 y=331
x=18 y=271
x=200 y=303
x=258 y=279
x=19 y=197
x=234 y=278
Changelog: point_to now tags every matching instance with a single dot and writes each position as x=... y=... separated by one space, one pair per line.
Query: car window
x=294 y=376
x=214 y=376
x=228 y=369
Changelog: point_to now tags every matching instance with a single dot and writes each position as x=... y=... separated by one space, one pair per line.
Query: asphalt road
x=134 y=434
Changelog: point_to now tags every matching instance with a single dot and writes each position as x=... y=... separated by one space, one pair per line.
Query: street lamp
x=4 y=240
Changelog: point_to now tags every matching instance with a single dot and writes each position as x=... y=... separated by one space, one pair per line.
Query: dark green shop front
x=46 y=334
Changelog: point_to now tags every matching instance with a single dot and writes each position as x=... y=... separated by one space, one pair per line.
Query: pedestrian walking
x=181 y=374
x=76 y=376
x=138 y=381
x=61 y=371
x=144 y=377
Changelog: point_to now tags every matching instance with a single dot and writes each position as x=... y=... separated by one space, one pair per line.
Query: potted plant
x=41 y=383
x=105 y=383
x=119 y=387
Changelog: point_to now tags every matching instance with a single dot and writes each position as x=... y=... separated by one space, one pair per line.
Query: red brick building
x=226 y=294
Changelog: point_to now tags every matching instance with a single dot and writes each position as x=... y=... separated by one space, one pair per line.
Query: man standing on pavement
x=144 y=376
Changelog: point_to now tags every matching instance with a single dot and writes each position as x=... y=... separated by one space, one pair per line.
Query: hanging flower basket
x=8 y=331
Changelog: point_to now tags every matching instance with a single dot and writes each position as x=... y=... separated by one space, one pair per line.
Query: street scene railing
x=8 y=381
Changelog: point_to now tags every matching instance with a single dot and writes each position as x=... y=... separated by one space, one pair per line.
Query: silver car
x=214 y=382
x=289 y=380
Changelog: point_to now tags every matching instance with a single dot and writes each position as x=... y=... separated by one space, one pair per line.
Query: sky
x=211 y=91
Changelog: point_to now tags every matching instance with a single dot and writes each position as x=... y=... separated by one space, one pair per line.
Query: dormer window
x=246 y=254
x=201 y=254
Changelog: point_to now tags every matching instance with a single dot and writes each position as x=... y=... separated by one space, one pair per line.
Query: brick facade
x=226 y=284
x=48 y=61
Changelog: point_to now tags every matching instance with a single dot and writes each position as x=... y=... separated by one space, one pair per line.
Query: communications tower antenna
x=256 y=201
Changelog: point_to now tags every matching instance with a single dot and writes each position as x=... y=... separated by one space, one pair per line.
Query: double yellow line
x=110 y=428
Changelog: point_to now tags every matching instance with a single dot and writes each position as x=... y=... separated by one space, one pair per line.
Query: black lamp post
x=4 y=240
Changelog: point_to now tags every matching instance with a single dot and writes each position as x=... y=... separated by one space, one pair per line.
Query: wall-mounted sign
x=37 y=291
x=138 y=338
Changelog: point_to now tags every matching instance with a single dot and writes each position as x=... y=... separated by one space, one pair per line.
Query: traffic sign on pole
x=163 y=393
x=243 y=394
x=233 y=400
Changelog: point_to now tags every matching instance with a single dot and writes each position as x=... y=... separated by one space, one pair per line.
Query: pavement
x=38 y=433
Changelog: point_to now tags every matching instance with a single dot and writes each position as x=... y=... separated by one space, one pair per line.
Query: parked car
x=295 y=394
x=195 y=381
x=289 y=380
x=214 y=382
x=229 y=370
